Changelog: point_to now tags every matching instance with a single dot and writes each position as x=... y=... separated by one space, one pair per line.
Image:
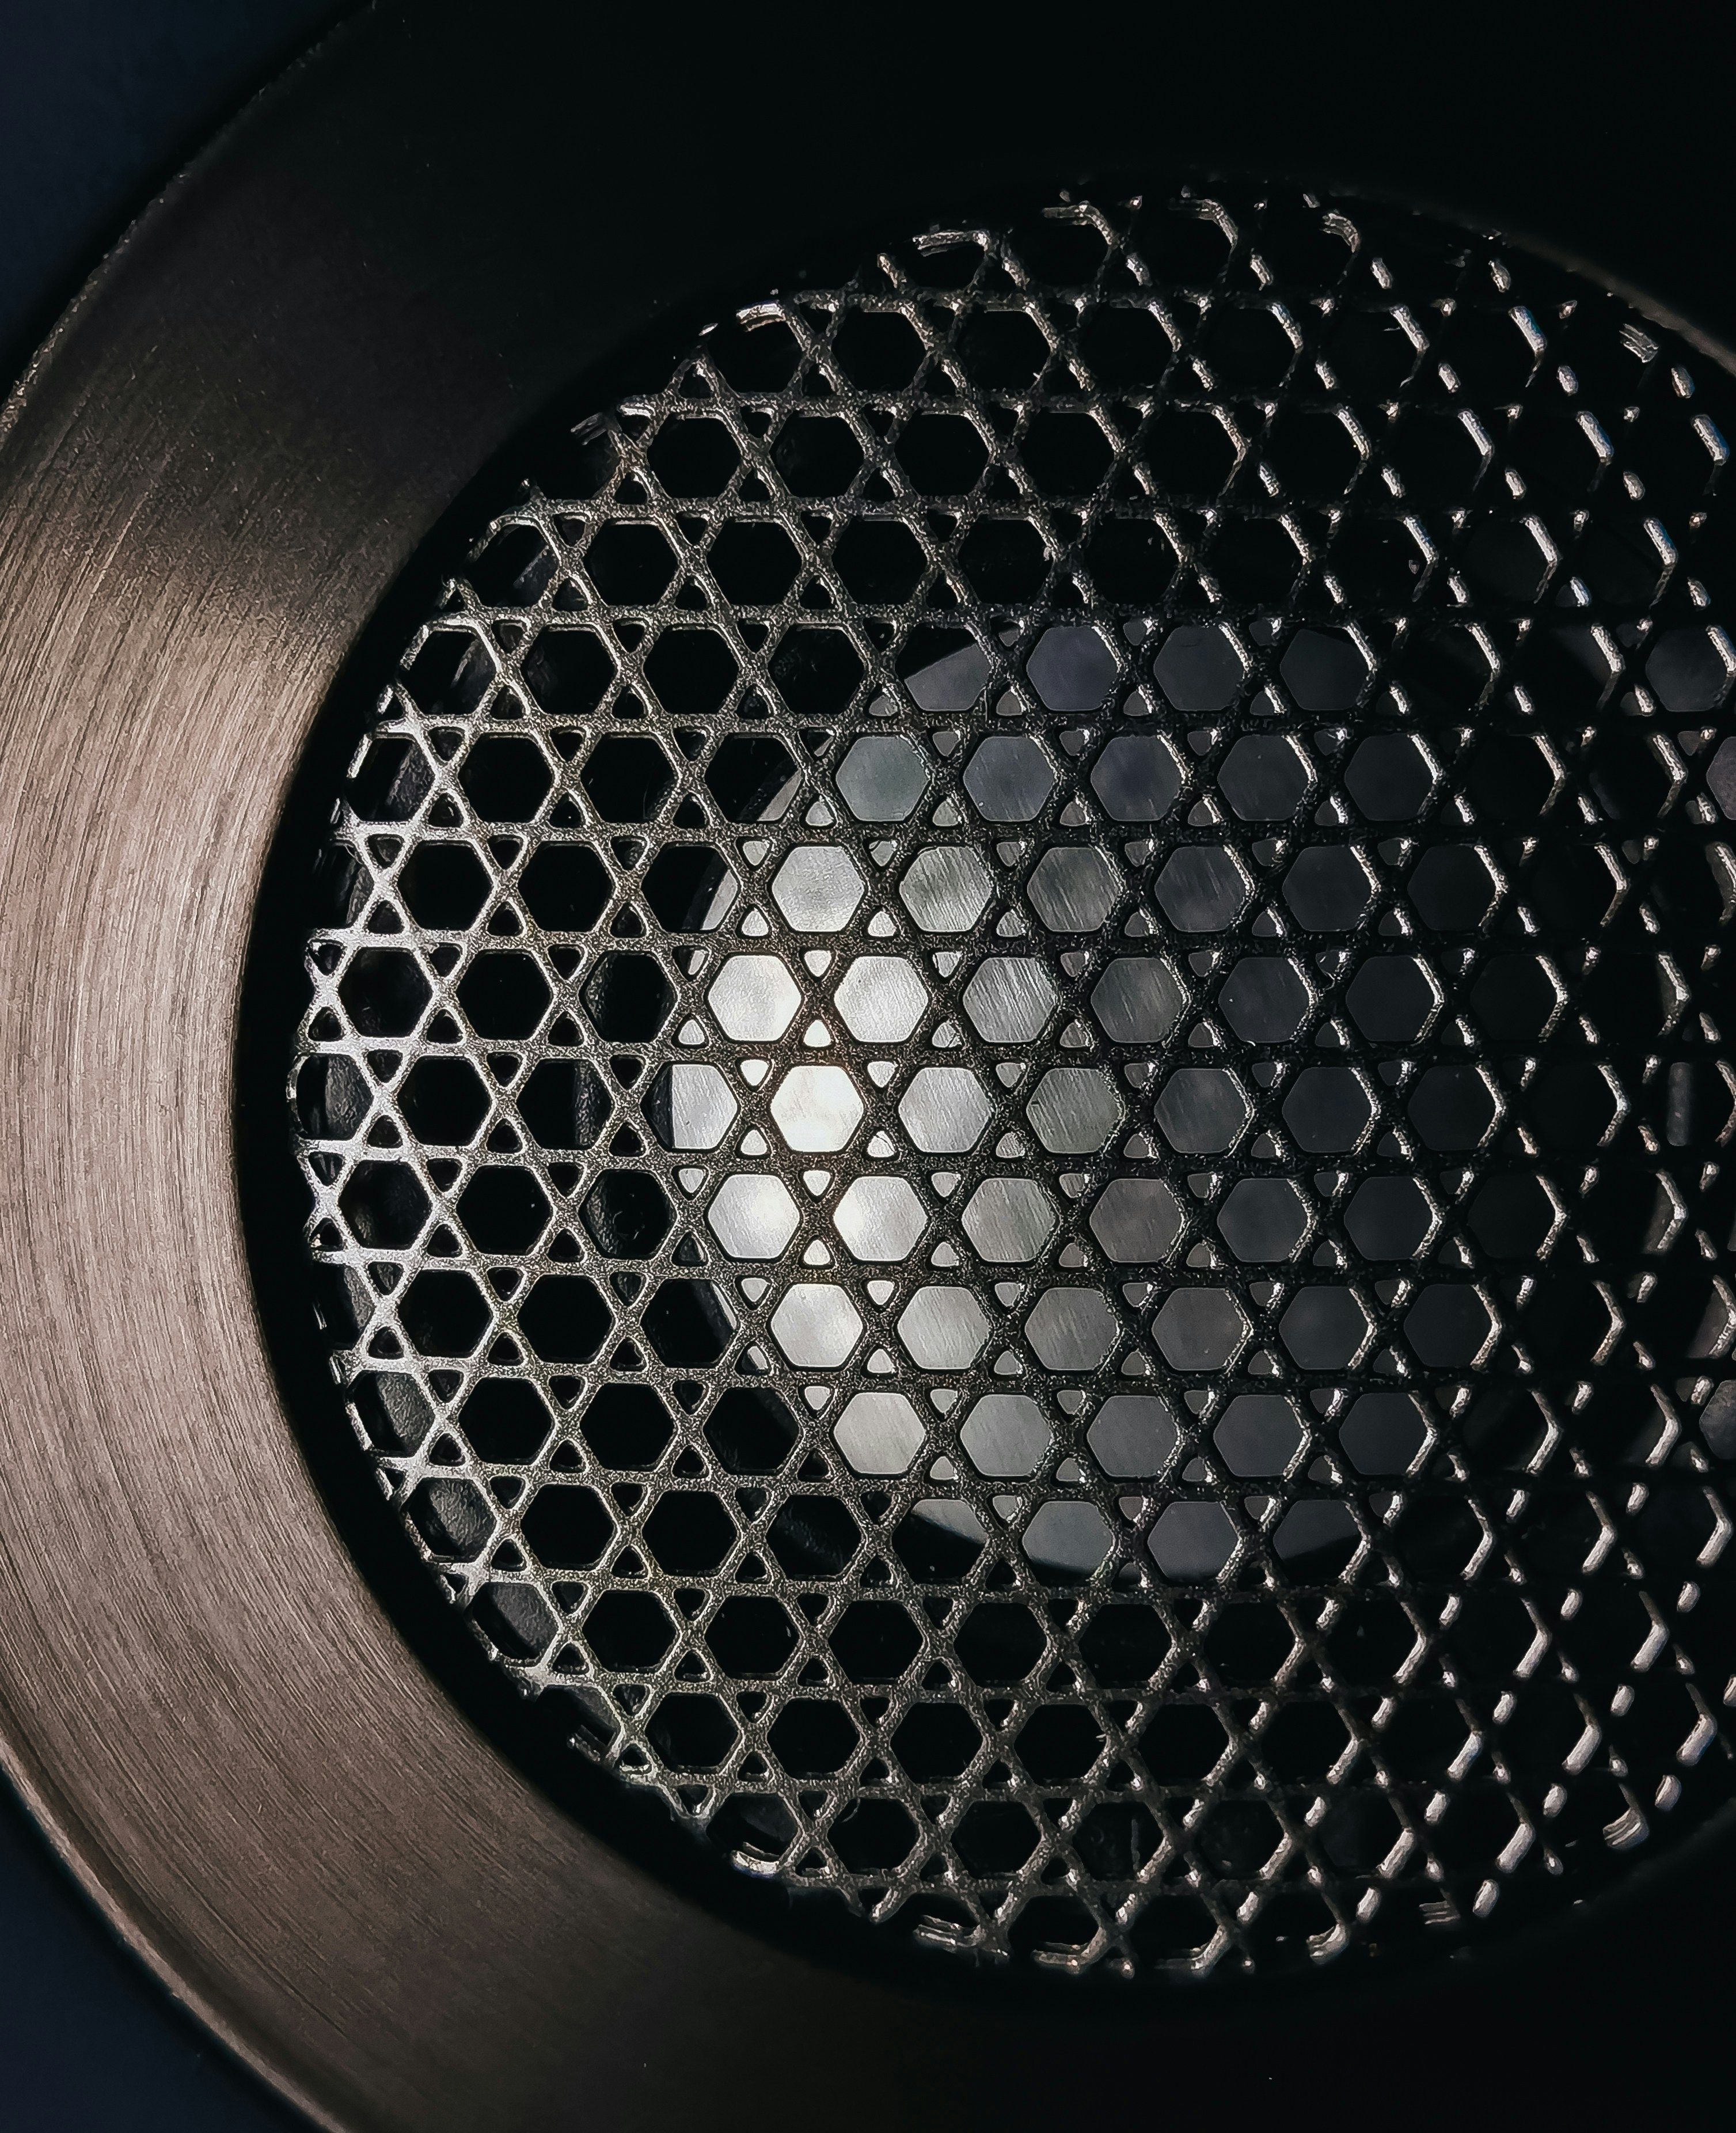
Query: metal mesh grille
x=1015 y=1090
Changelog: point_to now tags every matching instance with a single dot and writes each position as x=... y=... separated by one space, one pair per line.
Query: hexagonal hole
x=1125 y=1646
x=813 y=1537
x=1190 y=1543
x=384 y=1205
x=753 y=1217
x=1074 y=888
x=752 y=777
x=1059 y=1743
x=1265 y=999
x=1452 y=889
x=1259 y=1434
x=627 y=1427
x=629 y=565
x=880 y=1219
x=817 y=455
x=1009 y=999
x=506 y=778
x=943 y=1329
x=628 y=997
x=690 y=1532
x=629 y=1631
x=880 y=350
x=875 y=1640
x=878 y=1432
x=568 y=672
x=566 y=1528
x=816 y=671
x=1248 y=1644
x=816 y=1109
x=691 y=889
x=1202 y=1110
x=1262 y=1219
x=879 y=562
x=383 y=992
x=882 y=998
x=444 y=1313
x=938 y=1542
x=936 y=1740
x=1005 y=1435
x=1007 y=1220
x=882 y=777
x=1073 y=1110
x=689 y=1322
x=1199 y=1329
x=816 y=1325
x=1265 y=777
x=1073 y=669
x=504 y=1210
x=941 y=454
x=563 y=1103
x=1072 y=1329
x=872 y=1836
x=945 y=888
x=565 y=888
x=564 y=1318
x=1002 y=350
x=945 y=1109
x=1316 y=1540
x=691 y=1732
x=627 y=778
x=694 y=455
x=1329 y=889
x=999 y=1643
x=1009 y=779
x=1202 y=889
x=444 y=886
x=1328 y=1109
x=1005 y=559
x=1137 y=1000
x=1133 y=1433
x=503 y=995
x=1323 y=1328
x=627 y=1213
x=1389 y=1218
x=751 y=1636
x=751 y=1430
x=755 y=564
x=818 y=887
x=1066 y=1541
x=1065 y=454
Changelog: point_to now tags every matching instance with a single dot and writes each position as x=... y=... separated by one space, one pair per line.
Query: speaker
x=871 y=1088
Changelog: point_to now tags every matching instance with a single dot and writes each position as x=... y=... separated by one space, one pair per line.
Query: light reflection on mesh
x=1017 y=1086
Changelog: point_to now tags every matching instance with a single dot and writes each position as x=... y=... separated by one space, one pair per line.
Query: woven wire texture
x=1017 y=1080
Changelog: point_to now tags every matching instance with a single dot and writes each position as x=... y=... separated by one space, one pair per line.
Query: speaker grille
x=1015 y=1090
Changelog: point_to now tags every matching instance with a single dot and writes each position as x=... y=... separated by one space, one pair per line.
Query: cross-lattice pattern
x=1017 y=1085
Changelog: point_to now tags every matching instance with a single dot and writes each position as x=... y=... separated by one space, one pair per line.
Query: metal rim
x=240 y=434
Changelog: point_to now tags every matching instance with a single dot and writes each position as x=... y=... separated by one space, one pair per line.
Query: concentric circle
x=1015 y=1090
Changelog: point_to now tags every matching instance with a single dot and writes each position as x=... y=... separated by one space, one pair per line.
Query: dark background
x=1603 y=128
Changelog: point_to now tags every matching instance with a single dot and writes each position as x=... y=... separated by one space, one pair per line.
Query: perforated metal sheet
x=1015 y=1087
